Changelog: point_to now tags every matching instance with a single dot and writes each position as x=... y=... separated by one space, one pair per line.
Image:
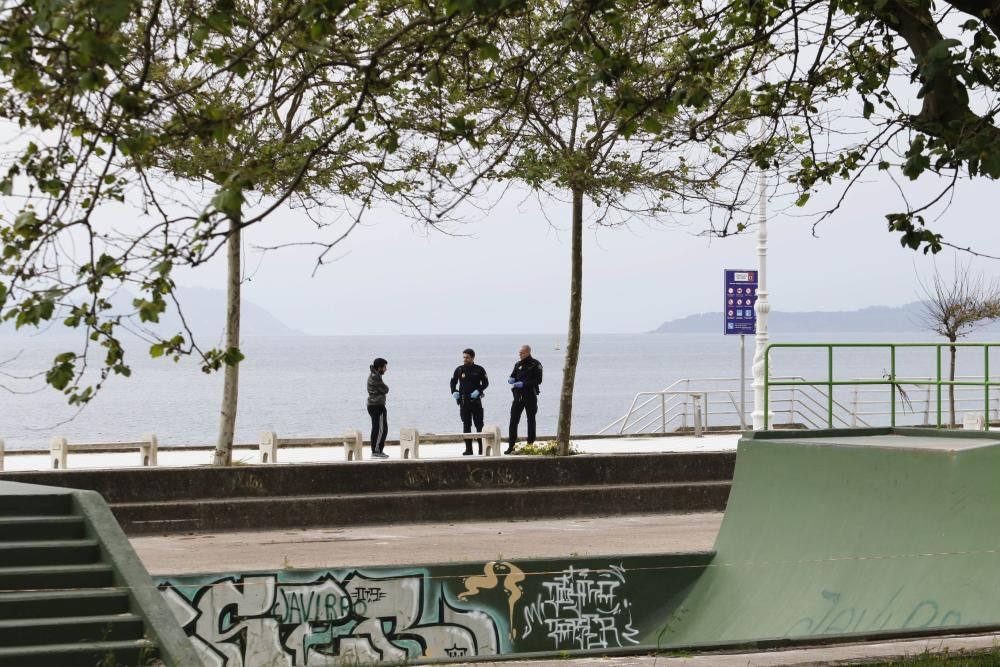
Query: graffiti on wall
x=395 y=616
x=838 y=616
x=257 y=621
x=490 y=580
x=583 y=609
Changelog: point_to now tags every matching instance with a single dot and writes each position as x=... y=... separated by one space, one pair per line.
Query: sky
x=506 y=270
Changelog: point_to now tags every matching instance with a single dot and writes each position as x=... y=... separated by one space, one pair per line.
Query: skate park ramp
x=859 y=532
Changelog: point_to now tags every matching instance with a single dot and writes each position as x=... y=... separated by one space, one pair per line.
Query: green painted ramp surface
x=834 y=533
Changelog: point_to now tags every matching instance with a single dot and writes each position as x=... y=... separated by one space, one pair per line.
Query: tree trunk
x=951 y=387
x=573 y=337
x=231 y=383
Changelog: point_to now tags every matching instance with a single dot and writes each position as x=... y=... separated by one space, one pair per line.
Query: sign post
x=739 y=297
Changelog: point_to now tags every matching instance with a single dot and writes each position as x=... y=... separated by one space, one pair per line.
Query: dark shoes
x=467 y=452
x=379 y=455
x=509 y=450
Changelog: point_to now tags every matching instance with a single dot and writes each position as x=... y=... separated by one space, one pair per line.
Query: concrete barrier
x=61 y=447
x=352 y=442
x=410 y=440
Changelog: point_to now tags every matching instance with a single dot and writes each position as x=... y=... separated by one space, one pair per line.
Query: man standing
x=468 y=383
x=376 y=406
x=524 y=382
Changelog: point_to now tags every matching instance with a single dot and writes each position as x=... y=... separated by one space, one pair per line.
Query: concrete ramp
x=850 y=532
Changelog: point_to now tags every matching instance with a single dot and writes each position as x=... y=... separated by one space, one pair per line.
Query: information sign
x=738 y=302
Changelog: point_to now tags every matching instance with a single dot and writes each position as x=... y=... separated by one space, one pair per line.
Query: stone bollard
x=354 y=446
x=409 y=443
x=148 y=449
x=268 y=447
x=492 y=446
x=1 y=455
x=58 y=453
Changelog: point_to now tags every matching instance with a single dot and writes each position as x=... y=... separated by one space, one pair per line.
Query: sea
x=308 y=386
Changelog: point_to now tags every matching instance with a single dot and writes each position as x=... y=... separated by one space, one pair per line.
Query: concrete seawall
x=168 y=500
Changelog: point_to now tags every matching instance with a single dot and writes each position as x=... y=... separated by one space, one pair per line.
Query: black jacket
x=376 y=388
x=467 y=379
x=528 y=371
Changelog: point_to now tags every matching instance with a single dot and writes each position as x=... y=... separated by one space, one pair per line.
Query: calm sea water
x=309 y=386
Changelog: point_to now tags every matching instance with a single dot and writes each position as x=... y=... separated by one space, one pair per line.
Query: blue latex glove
x=475 y=394
x=456 y=395
x=511 y=380
x=518 y=385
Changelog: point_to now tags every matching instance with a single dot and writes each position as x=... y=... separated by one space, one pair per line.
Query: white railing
x=701 y=403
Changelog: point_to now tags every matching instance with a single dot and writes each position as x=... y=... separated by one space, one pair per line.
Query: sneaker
x=467 y=453
x=509 y=451
x=380 y=455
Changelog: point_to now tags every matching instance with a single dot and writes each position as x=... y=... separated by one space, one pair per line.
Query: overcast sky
x=508 y=271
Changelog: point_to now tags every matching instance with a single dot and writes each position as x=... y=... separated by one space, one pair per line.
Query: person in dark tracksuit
x=468 y=383
x=376 y=406
x=524 y=383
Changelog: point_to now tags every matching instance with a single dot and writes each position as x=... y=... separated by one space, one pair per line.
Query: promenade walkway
x=193 y=456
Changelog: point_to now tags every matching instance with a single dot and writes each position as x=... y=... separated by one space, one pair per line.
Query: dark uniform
x=466 y=379
x=529 y=372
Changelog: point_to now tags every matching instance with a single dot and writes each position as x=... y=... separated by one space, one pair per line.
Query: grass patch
x=945 y=659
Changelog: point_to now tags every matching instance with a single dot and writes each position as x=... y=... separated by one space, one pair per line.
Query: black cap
x=469 y=351
x=379 y=362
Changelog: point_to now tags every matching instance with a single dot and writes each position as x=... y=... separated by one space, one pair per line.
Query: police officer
x=468 y=383
x=524 y=382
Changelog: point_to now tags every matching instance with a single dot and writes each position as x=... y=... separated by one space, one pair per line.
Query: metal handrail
x=890 y=381
x=665 y=408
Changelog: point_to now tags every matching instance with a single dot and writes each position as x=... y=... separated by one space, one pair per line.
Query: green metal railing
x=890 y=380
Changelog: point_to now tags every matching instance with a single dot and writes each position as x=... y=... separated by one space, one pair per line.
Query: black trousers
x=527 y=403
x=379 y=430
x=471 y=411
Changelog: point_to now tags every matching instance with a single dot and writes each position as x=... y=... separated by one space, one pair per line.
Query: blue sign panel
x=737 y=305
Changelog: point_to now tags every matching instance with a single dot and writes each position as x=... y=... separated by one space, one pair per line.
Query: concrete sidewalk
x=843 y=654
x=405 y=544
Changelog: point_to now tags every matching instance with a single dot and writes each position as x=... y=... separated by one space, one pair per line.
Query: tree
x=915 y=82
x=955 y=308
x=614 y=107
x=287 y=100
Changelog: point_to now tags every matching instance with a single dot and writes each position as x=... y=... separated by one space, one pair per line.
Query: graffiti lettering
x=366 y=595
x=584 y=609
x=838 y=619
x=251 y=621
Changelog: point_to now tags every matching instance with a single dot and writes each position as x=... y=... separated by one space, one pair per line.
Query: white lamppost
x=761 y=308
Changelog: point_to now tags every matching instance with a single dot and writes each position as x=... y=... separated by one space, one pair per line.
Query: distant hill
x=204 y=311
x=903 y=318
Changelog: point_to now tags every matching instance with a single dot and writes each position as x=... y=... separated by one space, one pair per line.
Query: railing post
x=938 y=383
x=927 y=405
x=684 y=412
x=268 y=447
x=148 y=449
x=696 y=401
x=58 y=453
x=986 y=387
x=892 y=386
x=663 y=413
x=791 y=406
x=829 y=397
x=854 y=408
x=1 y=454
